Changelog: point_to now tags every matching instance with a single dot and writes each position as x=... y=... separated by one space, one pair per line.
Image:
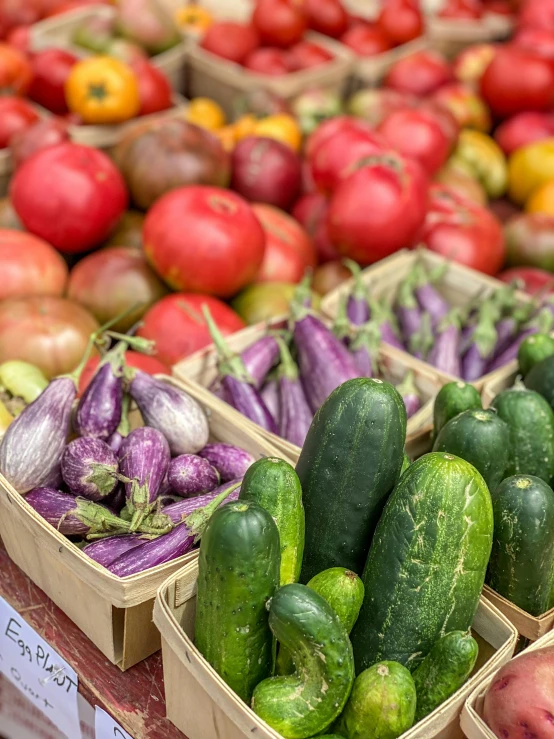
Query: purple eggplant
x=116 y=439
x=99 y=410
x=365 y=349
x=230 y=461
x=179 y=510
x=541 y=323
x=483 y=342
x=270 y=396
x=189 y=475
x=172 y=412
x=259 y=358
x=105 y=551
x=32 y=447
x=357 y=308
x=445 y=354
x=341 y=324
x=408 y=312
x=428 y=297
x=383 y=316
x=423 y=340
x=409 y=393
x=117 y=500
x=296 y=414
x=89 y=468
x=153 y=553
x=74 y=516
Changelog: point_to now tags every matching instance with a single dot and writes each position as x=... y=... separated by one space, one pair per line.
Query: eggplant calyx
x=359 y=290
x=287 y=367
x=103 y=477
x=197 y=521
x=137 y=343
x=124 y=426
x=423 y=339
x=139 y=504
x=408 y=386
x=301 y=304
x=341 y=326
x=98 y=518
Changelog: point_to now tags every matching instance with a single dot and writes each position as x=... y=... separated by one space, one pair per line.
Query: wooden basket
x=115 y=613
x=201 y=705
x=472 y=724
x=450 y=36
x=371 y=71
x=502 y=380
x=459 y=285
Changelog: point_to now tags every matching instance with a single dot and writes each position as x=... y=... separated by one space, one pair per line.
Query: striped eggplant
x=296 y=414
x=483 y=342
x=99 y=410
x=270 y=396
x=445 y=354
x=428 y=297
x=230 y=461
x=365 y=349
x=105 y=551
x=179 y=510
x=357 y=308
x=153 y=553
x=384 y=317
x=89 y=468
x=189 y=475
x=409 y=393
x=259 y=358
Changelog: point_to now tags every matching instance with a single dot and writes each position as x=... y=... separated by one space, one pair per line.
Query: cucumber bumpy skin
x=453 y=398
x=304 y=704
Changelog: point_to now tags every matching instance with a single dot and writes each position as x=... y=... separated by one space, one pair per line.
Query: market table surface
x=134 y=698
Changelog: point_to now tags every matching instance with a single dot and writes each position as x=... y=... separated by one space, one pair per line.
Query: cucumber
x=454 y=398
x=522 y=560
x=482 y=439
x=533 y=350
x=349 y=464
x=273 y=484
x=531 y=423
x=541 y=379
x=382 y=704
x=427 y=562
x=238 y=572
x=406 y=462
x=306 y=703
x=445 y=669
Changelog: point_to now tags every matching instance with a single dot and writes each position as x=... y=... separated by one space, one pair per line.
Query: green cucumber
x=306 y=703
x=382 y=704
x=238 y=572
x=522 y=560
x=330 y=736
x=533 y=350
x=454 y=398
x=445 y=669
x=427 y=562
x=482 y=439
x=349 y=464
x=541 y=379
x=531 y=423
x=273 y=484
x=406 y=462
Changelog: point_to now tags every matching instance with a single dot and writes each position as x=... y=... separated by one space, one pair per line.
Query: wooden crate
x=115 y=613
x=471 y=720
x=201 y=705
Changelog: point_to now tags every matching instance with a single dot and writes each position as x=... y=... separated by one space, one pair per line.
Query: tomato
x=311 y=212
x=366 y=40
x=281 y=127
x=177 y=325
x=232 y=41
x=69 y=6
x=315 y=105
x=15 y=115
x=401 y=20
x=20 y=38
x=50 y=332
x=480 y=156
x=15 y=71
x=374 y=105
x=523 y=129
x=206 y=113
x=417 y=135
x=530 y=241
x=378 y=209
x=538 y=40
x=154 y=89
x=470 y=63
x=289 y=250
x=419 y=74
x=51 y=69
x=102 y=90
x=468 y=108
x=330 y=128
x=272 y=62
x=533 y=280
x=463 y=231
x=466 y=9
x=266 y=300
x=193 y=19
x=280 y=22
x=16 y=13
x=542 y=199
x=327 y=17
x=29 y=266
x=70 y=195
x=462 y=183
x=306 y=54
x=204 y=239
x=537 y=14
x=144 y=362
x=529 y=168
x=328 y=276
x=42 y=133
x=517 y=80
x=128 y=231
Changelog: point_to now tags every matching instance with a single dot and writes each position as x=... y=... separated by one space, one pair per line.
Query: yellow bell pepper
x=480 y=157
x=529 y=168
x=281 y=127
x=193 y=19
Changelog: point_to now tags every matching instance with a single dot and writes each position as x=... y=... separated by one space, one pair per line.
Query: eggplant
x=423 y=340
x=32 y=447
x=116 y=439
x=99 y=410
x=105 y=551
x=270 y=396
x=296 y=414
x=383 y=316
x=189 y=475
x=89 y=468
x=230 y=461
x=341 y=325
x=408 y=312
x=541 y=323
x=357 y=308
x=74 y=516
x=365 y=349
x=428 y=297
x=409 y=393
x=153 y=553
x=259 y=358
x=178 y=511
x=445 y=354
x=172 y=412
x=483 y=343
x=117 y=500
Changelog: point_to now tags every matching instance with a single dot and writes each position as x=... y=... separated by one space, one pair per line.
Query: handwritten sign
x=38 y=671
x=107 y=728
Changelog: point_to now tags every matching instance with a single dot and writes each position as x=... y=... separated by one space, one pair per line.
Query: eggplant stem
x=287 y=366
x=144 y=346
x=229 y=363
x=197 y=521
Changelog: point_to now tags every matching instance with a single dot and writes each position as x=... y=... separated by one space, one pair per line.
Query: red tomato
x=537 y=14
x=17 y=13
x=289 y=250
x=401 y=20
x=374 y=105
x=467 y=9
x=280 y=22
x=538 y=40
x=329 y=128
x=306 y=54
x=533 y=280
x=15 y=71
x=49 y=332
x=470 y=63
x=379 y=209
x=417 y=135
x=311 y=212
x=15 y=115
x=70 y=195
x=419 y=74
x=70 y=5
x=204 y=239
x=530 y=240
x=463 y=231
x=144 y=362
x=51 y=68
x=29 y=266
x=232 y=41
x=177 y=325
x=43 y=133
x=366 y=40
x=20 y=38
x=517 y=80
x=327 y=17
x=155 y=91
x=272 y=62
x=523 y=129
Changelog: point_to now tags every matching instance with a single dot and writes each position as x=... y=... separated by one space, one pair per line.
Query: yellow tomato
x=5 y=418
x=281 y=127
x=245 y=126
x=205 y=113
x=480 y=157
x=227 y=136
x=102 y=89
x=193 y=19
x=529 y=168
x=542 y=200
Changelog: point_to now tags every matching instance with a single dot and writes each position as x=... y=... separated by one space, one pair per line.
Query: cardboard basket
x=115 y=613
x=201 y=705
x=471 y=720
x=458 y=284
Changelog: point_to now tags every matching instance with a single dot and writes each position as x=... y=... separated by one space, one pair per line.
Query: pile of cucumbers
x=336 y=599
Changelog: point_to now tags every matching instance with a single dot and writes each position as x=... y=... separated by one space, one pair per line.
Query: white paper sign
x=38 y=671
x=107 y=728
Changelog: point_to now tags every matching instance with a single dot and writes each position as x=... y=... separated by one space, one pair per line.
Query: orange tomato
x=281 y=127
x=193 y=19
x=227 y=136
x=541 y=200
x=205 y=113
x=244 y=126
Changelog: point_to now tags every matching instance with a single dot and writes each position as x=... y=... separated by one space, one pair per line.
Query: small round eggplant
x=89 y=468
x=230 y=461
x=189 y=475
